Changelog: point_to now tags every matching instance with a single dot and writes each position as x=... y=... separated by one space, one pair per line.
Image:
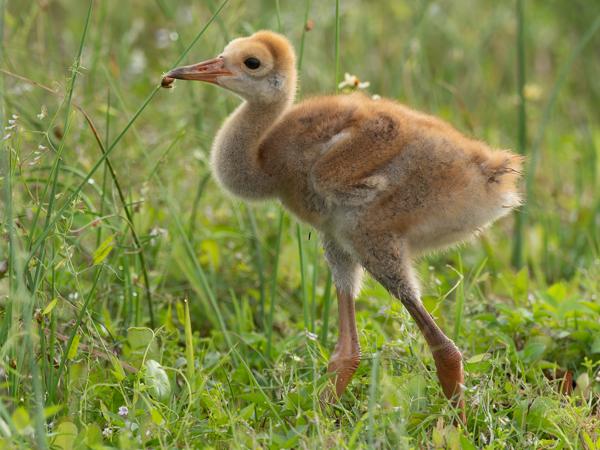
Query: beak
x=208 y=71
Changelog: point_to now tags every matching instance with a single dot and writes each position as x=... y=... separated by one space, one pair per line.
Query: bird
x=382 y=184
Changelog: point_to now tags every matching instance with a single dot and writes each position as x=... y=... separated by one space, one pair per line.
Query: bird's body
x=349 y=163
x=380 y=181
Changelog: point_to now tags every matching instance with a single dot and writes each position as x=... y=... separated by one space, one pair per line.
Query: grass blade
x=517 y=252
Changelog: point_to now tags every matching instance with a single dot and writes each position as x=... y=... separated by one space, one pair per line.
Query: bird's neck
x=235 y=149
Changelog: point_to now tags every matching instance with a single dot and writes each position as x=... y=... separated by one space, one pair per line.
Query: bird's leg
x=388 y=261
x=346 y=357
x=447 y=356
x=347 y=276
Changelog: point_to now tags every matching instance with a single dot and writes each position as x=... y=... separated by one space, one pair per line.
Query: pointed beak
x=208 y=71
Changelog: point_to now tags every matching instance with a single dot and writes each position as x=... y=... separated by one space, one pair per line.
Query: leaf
x=117 y=371
x=180 y=312
x=142 y=344
x=73 y=348
x=533 y=351
x=52 y=410
x=66 y=432
x=540 y=413
x=478 y=358
x=93 y=436
x=189 y=345
x=478 y=363
x=209 y=250
x=157 y=380
x=139 y=337
x=247 y=412
x=588 y=440
x=21 y=421
x=157 y=418
x=104 y=249
x=466 y=444
x=48 y=309
x=558 y=292
x=596 y=345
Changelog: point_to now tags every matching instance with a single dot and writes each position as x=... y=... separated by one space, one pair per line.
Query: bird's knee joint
x=447 y=355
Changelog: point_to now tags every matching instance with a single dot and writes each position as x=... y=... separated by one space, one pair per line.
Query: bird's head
x=259 y=68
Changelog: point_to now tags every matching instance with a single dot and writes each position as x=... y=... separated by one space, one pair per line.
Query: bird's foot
x=448 y=362
x=344 y=368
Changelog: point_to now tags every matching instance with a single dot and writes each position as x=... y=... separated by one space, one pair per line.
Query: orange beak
x=207 y=71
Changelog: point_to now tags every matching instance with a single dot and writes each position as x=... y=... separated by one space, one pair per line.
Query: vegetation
x=141 y=307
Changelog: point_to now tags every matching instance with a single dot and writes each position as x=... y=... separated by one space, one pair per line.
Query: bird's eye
x=252 y=63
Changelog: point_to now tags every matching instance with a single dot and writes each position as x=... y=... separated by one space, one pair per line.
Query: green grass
x=142 y=307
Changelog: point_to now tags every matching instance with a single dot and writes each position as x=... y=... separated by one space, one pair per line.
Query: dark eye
x=252 y=63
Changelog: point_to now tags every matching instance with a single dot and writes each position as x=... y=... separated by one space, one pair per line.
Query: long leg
x=347 y=276
x=387 y=259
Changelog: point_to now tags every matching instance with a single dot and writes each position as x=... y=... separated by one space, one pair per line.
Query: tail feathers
x=502 y=171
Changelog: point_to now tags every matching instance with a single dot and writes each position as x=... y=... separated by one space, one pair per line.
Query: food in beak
x=167 y=82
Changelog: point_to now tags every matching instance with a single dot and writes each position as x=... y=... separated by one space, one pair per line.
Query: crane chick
x=382 y=183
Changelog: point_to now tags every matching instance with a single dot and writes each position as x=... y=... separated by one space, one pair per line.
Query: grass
x=140 y=307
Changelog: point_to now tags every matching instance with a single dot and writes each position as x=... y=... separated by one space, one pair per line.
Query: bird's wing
x=349 y=167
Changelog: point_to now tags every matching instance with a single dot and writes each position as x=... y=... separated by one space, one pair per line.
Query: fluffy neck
x=235 y=149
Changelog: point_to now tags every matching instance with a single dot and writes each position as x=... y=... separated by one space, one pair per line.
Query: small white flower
x=34 y=161
x=42 y=148
x=6 y=137
x=42 y=113
x=311 y=336
x=91 y=181
x=123 y=411
x=376 y=97
x=107 y=432
x=353 y=82
x=73 y=296
x=15 y=116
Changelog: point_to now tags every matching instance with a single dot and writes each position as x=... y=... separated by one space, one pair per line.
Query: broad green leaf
x=209 y=250
x=141 y=342
x=52 y=410
x=157 y=418
x=157 y=380
x=93 y=436
x=104 y=249
x=478 y=358
x=66 y=432
x=21 y=421
x=557 y=292
x=139 y=337
x=533 y=351
x=247 y=412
